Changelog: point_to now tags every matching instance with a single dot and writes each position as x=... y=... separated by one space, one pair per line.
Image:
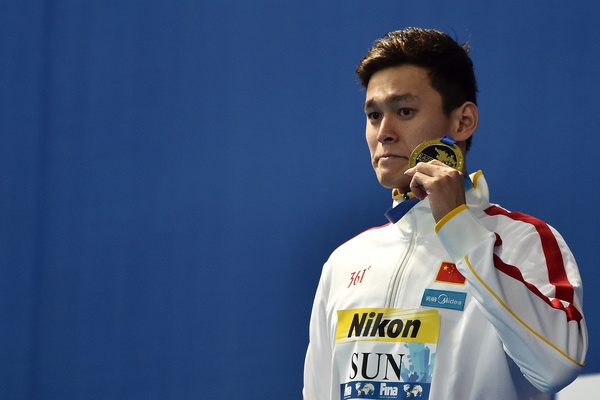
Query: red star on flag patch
x=449 y=274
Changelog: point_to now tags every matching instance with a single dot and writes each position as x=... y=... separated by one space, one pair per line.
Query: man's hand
x=444 y=185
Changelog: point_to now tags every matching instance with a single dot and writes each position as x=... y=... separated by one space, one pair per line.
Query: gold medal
x=444 y=150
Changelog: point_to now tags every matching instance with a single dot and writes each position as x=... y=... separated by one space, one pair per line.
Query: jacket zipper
x=398 y=277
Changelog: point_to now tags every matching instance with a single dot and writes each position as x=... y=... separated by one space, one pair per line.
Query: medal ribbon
x=395 y=214
x=448 y=140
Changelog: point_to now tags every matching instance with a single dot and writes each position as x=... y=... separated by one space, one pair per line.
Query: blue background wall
x=173 y=174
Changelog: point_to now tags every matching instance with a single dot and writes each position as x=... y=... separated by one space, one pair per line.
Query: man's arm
x=523 y=276
x=527 y=284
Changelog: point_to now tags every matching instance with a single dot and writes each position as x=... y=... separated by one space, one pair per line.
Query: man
x=455 y=298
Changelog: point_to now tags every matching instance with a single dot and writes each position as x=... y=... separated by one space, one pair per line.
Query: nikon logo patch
x=374 y=324
x=386 y=324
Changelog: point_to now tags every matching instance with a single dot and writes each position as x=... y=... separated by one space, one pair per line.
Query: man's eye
x=405 y=112
x=373 y=115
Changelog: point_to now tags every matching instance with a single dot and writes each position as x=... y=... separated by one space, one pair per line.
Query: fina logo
x=416 y=391
x=366 y=389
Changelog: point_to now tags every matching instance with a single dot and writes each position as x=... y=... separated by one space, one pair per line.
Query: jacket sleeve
x=319 y=355
x=525 y=281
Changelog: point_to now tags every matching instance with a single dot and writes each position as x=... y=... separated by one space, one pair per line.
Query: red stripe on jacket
x=557 y=274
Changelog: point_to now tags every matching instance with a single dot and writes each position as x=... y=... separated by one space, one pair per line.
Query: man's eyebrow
x=393 y=99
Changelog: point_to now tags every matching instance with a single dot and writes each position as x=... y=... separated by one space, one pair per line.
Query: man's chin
x=402 y=184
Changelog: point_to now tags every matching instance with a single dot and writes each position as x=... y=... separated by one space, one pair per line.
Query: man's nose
x=387 y=131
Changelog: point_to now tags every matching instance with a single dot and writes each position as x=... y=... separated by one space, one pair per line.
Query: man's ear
x=464 y=121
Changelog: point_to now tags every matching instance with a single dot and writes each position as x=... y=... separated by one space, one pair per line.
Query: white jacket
x=393 y=318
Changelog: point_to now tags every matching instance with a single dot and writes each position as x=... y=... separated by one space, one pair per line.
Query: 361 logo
x=357 y=277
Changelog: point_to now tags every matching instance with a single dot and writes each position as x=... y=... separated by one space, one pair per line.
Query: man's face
x=402 y=110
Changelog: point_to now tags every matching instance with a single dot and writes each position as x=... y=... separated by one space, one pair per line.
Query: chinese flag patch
x=449 y=274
